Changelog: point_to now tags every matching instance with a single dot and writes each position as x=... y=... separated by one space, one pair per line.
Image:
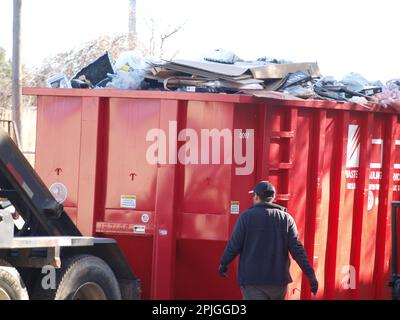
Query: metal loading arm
x=22 y=186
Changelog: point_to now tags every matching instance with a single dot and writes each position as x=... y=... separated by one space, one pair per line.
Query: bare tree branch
x=164 y=37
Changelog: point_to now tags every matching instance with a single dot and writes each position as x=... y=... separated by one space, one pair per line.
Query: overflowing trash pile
x=222 y=71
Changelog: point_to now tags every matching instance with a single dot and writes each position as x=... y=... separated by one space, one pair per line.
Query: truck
x=39 y=240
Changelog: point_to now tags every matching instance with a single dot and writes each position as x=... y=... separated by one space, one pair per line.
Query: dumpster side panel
x=130 y=181
x=128 y=172
x=298 y=201
x=205 y=225
x=322 y=184
x=345 y=219
x=164 y=246
x=66 y=153
x=58 y=143
x=368 y=247
x=204 y=222
x=209 y=177
x=247 y=138
x=336 y=141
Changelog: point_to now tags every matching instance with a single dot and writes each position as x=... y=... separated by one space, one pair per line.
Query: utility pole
x=132 y=23
x=16 y=67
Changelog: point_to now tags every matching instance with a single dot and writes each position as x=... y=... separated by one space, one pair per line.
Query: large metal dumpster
x=166 y=175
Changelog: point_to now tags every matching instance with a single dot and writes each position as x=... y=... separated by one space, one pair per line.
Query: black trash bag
x=97 y=71
x=330 y=93
x=295 y=78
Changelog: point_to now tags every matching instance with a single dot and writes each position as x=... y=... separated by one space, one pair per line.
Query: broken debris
x=58 y=81
x=96 y=72
x=222 y=71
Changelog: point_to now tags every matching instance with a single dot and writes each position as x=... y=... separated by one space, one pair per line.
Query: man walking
x=263 y=237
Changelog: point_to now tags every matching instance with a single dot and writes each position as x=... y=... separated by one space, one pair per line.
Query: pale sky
x=341 y=35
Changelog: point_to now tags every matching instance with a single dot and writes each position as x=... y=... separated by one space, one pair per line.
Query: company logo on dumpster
x=375 y=165
x=353 y=147
x=202 y=147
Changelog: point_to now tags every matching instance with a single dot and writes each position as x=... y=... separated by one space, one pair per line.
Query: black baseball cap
x=264 y=189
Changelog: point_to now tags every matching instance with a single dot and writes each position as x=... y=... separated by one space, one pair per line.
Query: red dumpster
x=166 y=175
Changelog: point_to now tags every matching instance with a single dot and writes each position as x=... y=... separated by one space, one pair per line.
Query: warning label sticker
x=235 y=207
x=128 y=202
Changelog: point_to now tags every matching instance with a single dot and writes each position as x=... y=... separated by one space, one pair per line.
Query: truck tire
x=11 y=285
x=82 y=277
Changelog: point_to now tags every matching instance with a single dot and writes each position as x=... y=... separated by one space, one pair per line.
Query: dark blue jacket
x=263 y=236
